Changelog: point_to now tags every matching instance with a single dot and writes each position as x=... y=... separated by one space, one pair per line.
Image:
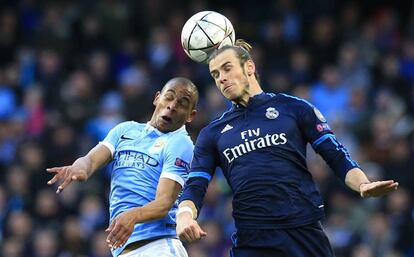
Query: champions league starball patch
x=319 y=114
x=180 y=163
x=271 y=113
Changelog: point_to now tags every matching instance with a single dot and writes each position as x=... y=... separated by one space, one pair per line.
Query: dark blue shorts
x=306 y=241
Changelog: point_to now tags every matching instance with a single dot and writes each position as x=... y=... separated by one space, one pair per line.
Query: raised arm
x=82 y=168
x=324 y=142
x=358 y=181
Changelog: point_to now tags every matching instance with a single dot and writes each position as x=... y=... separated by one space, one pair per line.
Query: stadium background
x=71 y=70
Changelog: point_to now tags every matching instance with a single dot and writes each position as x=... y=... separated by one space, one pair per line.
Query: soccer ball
x=204 y=32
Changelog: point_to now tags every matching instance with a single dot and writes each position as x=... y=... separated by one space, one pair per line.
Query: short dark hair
x=188 y=83
x=242 y=50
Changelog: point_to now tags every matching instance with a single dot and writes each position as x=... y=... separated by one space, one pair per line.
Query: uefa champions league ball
x=204 y=32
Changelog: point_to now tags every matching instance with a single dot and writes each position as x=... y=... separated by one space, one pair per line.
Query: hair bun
x=243 y=44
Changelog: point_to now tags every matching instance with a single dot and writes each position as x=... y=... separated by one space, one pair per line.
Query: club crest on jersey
x=158 y=145
x=319 y=114
x=271 y=113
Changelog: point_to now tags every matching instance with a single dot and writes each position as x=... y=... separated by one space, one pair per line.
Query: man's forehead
x=178 y=88
x=227 y=56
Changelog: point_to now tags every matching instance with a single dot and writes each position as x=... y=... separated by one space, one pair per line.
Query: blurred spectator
x=8 y=35
x=8 y=101
x=34 y=111
x=92 y=215
x=19 y=227
x=46 y=209
x=136 y=93
x=99 y=69
x=323 y=41
x=378 y=237
x=330 y=95
x=352 y=68
x=45 y=243
x=49 y=75
x=110 y=114
x=18 y=185
x=61 y=145
x=407 y=60
x=12 y=247
x=300 y=63
x=78 y=99
x=74 y=241
x=399 y=206
x=389 y=78
x=99 y=247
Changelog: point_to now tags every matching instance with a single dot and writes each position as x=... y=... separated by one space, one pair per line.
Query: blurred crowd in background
x=71 y=70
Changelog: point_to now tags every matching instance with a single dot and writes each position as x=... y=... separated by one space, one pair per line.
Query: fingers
x=58 y=172
x=203 y=233
x=54 y=169
x=110 y=229
x=383 y=183
x=118 y=235
x=380 y=188
x=67 y=174
x=185 y=237
x=65 y=183
x=53 y=180
x=192 y=233
x=80 y=176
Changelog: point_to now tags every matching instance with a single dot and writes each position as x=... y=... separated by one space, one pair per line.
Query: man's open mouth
x=166 y=118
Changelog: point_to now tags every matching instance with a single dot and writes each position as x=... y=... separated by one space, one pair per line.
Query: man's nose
x=172 y=105
x=222 y=78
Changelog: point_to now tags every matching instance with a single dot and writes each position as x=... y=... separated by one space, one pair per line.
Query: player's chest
x=140 y=148
x=262 y=128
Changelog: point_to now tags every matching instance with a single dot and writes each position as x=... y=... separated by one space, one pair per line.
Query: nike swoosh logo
x=126 y=138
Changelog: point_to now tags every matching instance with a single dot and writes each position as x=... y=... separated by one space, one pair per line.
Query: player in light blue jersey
x=149 y=168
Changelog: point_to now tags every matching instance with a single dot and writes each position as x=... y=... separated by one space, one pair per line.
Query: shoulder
x=294 y=100
x=180 y=138
x=128 y=124
x=294 y=103
x=225 y=115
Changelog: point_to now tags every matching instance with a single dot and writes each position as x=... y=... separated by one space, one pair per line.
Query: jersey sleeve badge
x=319 y=115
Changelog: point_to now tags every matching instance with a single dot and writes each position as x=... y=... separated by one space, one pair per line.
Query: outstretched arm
x=81 y=169
x=358 y=181
x=122 y=226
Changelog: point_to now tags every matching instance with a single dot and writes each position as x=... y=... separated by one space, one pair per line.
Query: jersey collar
x=149 y=129
x=253 y=100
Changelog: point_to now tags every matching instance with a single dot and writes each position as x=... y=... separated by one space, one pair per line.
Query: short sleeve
x=177 y=157
x=112 y=138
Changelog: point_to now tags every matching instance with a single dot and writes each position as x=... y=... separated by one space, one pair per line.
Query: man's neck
x=254 y=89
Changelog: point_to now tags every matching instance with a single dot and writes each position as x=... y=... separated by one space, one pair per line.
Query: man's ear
x=156 y=98
x=250 y=67
x=192 y=114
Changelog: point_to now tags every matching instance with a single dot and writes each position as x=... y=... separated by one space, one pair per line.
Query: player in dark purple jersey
x=260 y=144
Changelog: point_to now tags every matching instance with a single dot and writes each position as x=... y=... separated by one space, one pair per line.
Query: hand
x=67 y=174
x=378 y=188
x=120 y=229
x=188 y=229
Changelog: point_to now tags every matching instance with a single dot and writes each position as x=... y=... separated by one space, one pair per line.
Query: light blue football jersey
x=141 y=156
